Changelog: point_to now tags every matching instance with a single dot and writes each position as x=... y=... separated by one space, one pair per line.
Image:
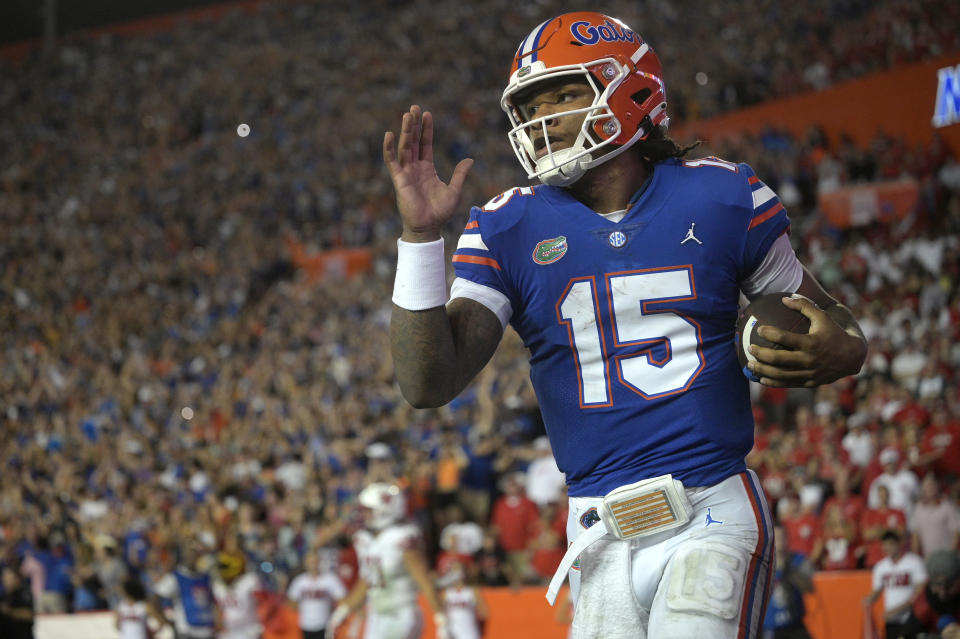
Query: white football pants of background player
x=402 y=623
x=709 y=578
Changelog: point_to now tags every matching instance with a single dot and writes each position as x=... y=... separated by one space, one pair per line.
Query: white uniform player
x=237 y=604
x=392 y=594
x=464 y=607
x=132 y=620
x=392 y=570
x=460 y=604
x=134 y=612
x=315 y=593
x=900 y=578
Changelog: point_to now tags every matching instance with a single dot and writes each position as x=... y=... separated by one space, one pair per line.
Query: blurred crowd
x=169 y=376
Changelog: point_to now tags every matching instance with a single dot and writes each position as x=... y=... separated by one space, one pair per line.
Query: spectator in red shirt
x=876 y=521
x=776 y=480
x=836 y=546
x=801 y=525
x=851 y=505
x=514 y=518
x=547 y=543
x=912 y=411
x=940 y=446
x=794 y=453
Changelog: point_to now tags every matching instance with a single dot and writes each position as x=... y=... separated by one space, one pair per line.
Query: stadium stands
x=169 y=374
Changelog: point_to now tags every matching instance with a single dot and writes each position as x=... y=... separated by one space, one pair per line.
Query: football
x=766 y=310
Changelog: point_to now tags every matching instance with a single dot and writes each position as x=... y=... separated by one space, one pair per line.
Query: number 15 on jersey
x=641 y=320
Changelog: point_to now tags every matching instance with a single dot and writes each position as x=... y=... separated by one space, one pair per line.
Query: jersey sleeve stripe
x=474 y=259
x=753 y=179
x=473 y=224
x=762 y=195
x=471 y=241
x=763 y=217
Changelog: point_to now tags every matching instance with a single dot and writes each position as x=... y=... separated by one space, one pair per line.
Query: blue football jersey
x=630 y=325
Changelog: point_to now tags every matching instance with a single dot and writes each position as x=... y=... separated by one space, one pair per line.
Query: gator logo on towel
x=549 y=251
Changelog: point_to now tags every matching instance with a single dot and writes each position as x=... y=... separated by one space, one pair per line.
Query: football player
x=392 y=570
x=465 y=607
x=622 y=273
x=134 y=612
x=314 y=594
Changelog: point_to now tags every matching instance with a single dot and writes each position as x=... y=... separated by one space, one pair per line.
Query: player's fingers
x=775 y=376
x=405 y=144
x=416 y=131
x=803 y=304
x=788 y=383
x=460 y=174
x=426 y=137
x=796 y=341
x=389 y=152
x=782 y=357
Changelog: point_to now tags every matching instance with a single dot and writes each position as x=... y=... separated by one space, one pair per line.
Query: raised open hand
x=425 y=201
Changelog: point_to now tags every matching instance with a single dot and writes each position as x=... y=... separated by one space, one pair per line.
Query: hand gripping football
x=766 y=310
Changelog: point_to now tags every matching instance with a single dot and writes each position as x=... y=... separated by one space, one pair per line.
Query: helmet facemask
x=562 y=167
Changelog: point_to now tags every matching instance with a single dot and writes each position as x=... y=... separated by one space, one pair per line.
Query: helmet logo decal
x=549 y=251
x=586 y=33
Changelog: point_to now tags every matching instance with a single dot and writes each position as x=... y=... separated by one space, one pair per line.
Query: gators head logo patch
x=549 y=251
x=589 y=518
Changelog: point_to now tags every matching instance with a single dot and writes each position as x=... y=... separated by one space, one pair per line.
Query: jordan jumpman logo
x=691 y=236
x=711 y=520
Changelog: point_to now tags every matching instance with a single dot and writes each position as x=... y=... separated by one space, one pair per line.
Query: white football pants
x=708 y=578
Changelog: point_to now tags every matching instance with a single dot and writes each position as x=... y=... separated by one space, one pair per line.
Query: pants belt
x=636 y=510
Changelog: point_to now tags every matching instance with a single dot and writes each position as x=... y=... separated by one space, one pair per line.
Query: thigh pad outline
x=707 y=578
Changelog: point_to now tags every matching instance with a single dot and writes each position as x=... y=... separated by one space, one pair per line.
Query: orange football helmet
x=624 y=72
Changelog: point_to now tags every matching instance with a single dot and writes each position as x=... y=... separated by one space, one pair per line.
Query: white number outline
x=501 y=200
x=712 y=161
x=568 y=323
x=645 y=310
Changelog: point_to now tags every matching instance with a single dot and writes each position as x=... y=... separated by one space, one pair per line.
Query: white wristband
x=421 y=281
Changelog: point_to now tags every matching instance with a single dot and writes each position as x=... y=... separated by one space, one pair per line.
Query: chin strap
x=564 y=172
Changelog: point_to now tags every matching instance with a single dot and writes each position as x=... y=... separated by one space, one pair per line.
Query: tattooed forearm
x=423 y=355
x=438 y=351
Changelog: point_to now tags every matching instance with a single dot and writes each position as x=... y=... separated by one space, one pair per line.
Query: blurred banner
x=867 y=203
x=333 y=263
x=916 y=101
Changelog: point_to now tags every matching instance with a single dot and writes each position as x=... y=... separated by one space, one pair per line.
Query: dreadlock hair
x=657 y=147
